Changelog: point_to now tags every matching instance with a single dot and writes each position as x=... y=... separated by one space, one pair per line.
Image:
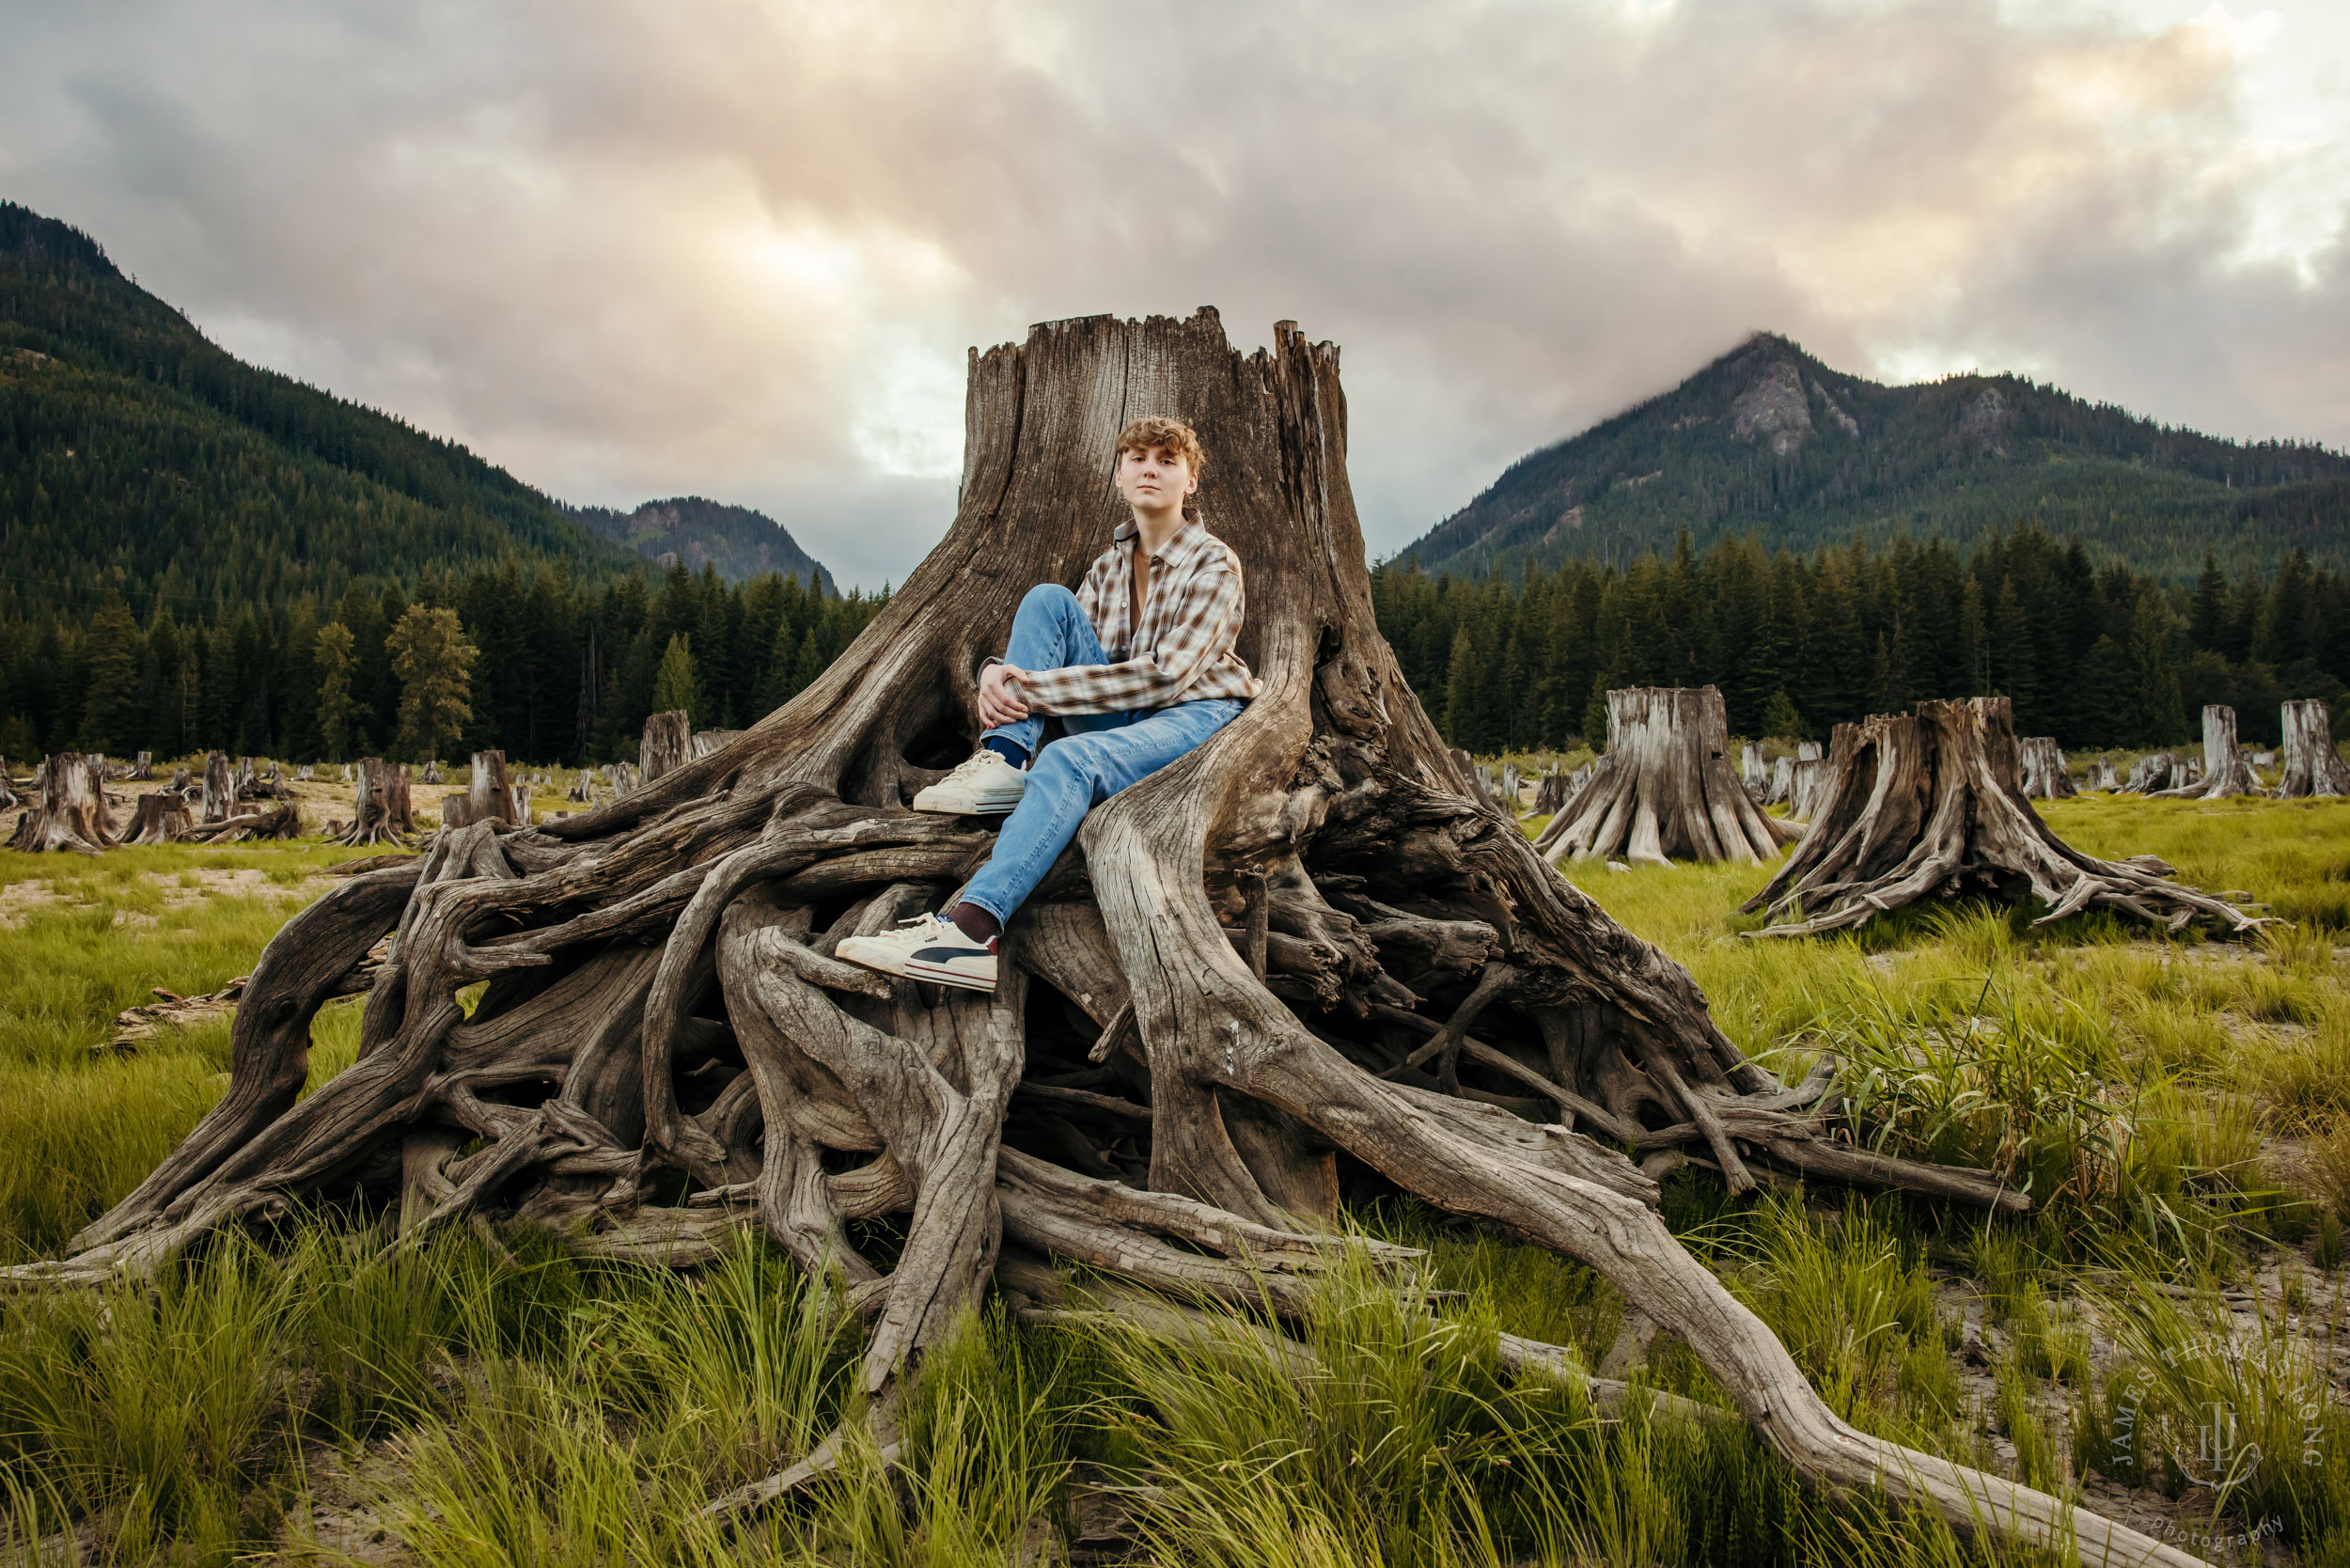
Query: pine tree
x=2157 y=714
x=433 y=660
x=1780 y=721
x=678 y=684
x=341 y=718
x=2207 y=618
x=110 y=713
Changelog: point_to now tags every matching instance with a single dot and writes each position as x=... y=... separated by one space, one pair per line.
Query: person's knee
x=1048 y=599
x=1074 y=762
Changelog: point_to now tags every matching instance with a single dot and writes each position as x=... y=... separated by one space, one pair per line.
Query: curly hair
x=1162 y=429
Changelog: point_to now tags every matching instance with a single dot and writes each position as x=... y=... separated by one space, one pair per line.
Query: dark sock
x=1010 y=751
x=975 y=922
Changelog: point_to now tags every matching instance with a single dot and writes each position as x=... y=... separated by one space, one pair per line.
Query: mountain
x=137 y=456
x=1768 y=439
x=741 y=543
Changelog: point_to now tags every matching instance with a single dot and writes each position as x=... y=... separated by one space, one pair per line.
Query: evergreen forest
x=2097 y=654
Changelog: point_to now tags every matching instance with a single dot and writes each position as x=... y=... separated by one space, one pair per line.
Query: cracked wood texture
x=1310 y=945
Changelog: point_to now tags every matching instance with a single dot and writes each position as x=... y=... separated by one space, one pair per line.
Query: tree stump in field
x=1752 y=772
x=432 y=772
x=72 y=813
x=160 y=818
x=1782 y=787
x=1806 y=776
x=1664 y=787
x=219 y=801
x=374 y=819
x=144 y=768
x=582 y=787
x=2044 y=774
x=2105 y=779
x=1932 y=806
x=2312 y=766
x=1550 y=794
x=660 y=990
x=518 y=802
x=2226 y=772
x=9 y=798
x=707 y=741
x=492 y=795
x=2154 y=772
x=667 y=746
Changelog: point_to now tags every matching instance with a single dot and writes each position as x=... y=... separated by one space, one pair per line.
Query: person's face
x=1155 y=478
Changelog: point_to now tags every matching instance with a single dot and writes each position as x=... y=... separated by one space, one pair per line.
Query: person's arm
x=1202 y=623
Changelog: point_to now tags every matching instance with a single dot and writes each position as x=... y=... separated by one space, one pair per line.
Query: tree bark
x=1933 y=806
x=73 y=811
x=220 y=790
x=492 y=796
x=2312 y=766
x=2226 y=772
x=661 y=990
x=2044 y=772
x=667 y=746
x=1664 y=787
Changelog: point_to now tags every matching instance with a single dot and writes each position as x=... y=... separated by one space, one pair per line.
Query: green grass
x=490 y=1405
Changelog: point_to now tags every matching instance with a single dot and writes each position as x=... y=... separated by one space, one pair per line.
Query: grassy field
x=2179 y=1110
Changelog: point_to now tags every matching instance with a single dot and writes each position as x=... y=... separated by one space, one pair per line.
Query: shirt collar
x=1182 y=544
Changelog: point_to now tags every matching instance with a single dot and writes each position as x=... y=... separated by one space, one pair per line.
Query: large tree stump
x=490 y=798
x=2312 y=766
x=666 y=746
x=1549 y=794
x=1933 y=806
x=220 y=790
x=1664 y=787
x=2226 y=772
x=660 y=990
x=160 y=818
x=373 y=817
x=72 y=814
x=2044 y=773
x=144 y=768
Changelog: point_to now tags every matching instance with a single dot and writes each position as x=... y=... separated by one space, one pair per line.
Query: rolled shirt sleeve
x=1197 y=628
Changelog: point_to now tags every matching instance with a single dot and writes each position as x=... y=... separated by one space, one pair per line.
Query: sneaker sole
x=943 y=977
x=992 y=809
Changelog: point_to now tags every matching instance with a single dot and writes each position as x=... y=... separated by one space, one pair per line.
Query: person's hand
x=1000 y=700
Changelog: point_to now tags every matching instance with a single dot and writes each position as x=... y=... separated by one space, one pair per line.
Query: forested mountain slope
x=1768 y=440
x=137 y=456
x=740 y=542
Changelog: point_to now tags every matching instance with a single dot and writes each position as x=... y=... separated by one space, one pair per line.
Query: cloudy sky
x=740 y=249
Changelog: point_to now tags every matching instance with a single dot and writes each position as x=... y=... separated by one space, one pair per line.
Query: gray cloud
x=634 y=250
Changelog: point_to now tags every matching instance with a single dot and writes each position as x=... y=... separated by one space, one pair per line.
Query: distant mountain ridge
x=1767 y=439
x=741 y=543
x=138 y=457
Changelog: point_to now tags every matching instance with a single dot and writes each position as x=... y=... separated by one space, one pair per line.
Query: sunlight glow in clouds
x=632 y=250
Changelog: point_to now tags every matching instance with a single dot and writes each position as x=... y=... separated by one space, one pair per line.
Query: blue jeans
x=1101 y=755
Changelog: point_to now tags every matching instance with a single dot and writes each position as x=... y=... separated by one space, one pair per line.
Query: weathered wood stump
x=1752 y=772
x=1549 y=794
x=660 y=991
x=1664 y=787
x=143 y=769
x=160 y=818
x=2154 y=772
x=707 y=741
x=432 y=772
x=1807 y=780
x=491 y=797
x=2312 y=766
x=667 y=746
x=374 y=819
x=219 y=801
x=1932 y=806
x=278 y=822
x=2044 y=773
x=2226 y=770
x=2105 y=779
x=72 y=813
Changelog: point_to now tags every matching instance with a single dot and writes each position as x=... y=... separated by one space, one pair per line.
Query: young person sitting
x=1139 y=665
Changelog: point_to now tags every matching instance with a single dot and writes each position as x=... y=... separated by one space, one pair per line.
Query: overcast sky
x=638 y=250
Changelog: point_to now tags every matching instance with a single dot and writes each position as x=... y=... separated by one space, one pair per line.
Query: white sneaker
x=982 y=785
x=927 y=948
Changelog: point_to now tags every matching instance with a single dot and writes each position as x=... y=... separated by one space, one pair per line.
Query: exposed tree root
x=1932 y=806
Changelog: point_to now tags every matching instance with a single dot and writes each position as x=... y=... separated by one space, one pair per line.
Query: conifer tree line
x=508 y=656
x=2096 y=654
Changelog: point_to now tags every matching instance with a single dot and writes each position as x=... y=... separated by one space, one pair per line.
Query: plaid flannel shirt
x=1182 y=650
